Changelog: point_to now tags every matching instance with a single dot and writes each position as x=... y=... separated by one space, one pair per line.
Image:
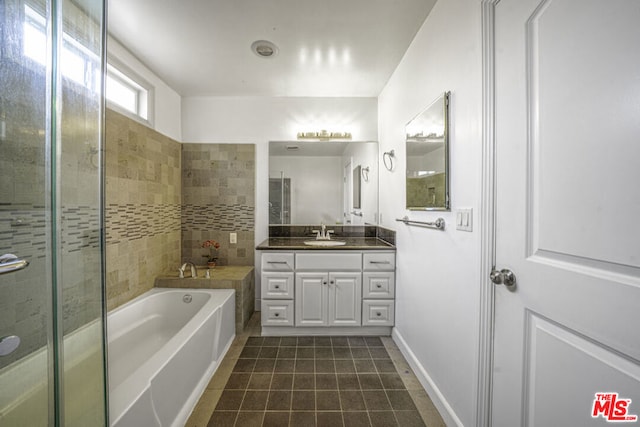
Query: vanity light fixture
x=323 y=135
x=264 y=48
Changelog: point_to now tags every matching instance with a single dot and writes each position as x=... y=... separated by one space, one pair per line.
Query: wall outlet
x=233 y=237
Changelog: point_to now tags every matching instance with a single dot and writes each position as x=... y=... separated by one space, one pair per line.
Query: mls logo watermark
x=612 y=408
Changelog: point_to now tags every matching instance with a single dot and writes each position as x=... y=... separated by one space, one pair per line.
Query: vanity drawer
x=277 y=312
x=277 y=285
x=379 y=261
x=378 y=312
x=277 y=261
x=378 y=285
x=329 y=261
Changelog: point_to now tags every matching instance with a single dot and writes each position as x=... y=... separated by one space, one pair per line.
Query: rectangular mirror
x=311 y=182
x=427 y=186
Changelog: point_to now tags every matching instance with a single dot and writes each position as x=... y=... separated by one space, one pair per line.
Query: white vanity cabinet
x=328 y=292
x=277 y=289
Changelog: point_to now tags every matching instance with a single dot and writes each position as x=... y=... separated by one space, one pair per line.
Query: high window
x=125 y=91
x=78 y=63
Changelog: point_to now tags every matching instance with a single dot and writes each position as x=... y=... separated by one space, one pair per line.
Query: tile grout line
x=379 y=370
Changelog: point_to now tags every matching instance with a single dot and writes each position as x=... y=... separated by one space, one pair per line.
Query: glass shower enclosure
x=52 y=311
x=280 y=200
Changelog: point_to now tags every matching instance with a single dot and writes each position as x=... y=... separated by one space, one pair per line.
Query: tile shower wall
x=218 y=197
x=142 y=207
x=434 y=194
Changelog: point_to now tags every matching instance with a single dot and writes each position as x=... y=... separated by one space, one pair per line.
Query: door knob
x=503 y=277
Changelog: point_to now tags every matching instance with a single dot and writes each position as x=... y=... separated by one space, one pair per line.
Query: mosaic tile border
x=219 y=217
x=127 y=222
x=23 y=229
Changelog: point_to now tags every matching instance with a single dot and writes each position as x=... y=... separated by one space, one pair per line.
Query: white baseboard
x=446 y=411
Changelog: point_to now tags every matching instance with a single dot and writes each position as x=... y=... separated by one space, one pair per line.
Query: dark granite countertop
x=352 y=243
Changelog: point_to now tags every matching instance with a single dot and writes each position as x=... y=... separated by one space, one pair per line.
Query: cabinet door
x=311 y=299
x=345 y=299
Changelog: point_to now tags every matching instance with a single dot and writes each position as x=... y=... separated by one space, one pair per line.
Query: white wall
x=365 y=155
x=438 y=271
x=166 y=116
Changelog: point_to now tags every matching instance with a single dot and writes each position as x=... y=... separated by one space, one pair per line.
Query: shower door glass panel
x=26 y=383
x=79 y=251
x=50 y=212
x=280 y=200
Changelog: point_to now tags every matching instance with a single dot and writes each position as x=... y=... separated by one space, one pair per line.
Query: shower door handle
x=10 y=263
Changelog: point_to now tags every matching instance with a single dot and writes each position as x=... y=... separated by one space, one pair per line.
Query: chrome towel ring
x=388 y=155
x=365 y=174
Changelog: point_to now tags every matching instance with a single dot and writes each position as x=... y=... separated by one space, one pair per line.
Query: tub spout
x=194 y=272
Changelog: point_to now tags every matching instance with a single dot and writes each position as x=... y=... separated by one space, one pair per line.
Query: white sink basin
x=324 y=243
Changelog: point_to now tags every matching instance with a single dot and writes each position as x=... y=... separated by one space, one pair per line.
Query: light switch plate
x=233 y=238
x=464 y=219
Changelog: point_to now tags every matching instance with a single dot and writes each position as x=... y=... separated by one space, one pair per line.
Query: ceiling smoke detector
x=264 y=48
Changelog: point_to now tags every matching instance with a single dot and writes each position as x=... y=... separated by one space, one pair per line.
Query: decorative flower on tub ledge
x=213 y=252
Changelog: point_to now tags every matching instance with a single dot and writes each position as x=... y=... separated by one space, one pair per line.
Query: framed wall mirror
x=427 y=143
x=321 y=181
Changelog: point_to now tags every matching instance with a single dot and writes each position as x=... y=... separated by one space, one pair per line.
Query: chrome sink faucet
x=323 y=234
x=194 y=271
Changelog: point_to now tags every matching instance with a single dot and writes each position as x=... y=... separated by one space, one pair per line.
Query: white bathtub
x=163 y=351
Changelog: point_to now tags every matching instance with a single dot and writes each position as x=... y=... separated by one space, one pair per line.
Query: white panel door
x=568 y=212
x=345 y=299
x=311 y=293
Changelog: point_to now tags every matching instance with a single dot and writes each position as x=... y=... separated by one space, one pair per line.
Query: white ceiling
x=327 y=48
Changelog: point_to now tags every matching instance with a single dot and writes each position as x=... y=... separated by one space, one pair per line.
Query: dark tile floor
x=315 y=381
x=350 y=398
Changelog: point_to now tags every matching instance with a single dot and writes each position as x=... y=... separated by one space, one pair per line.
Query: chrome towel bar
x=438 y=223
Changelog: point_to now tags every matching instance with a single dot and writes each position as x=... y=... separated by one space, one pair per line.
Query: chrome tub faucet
x=194 y=271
